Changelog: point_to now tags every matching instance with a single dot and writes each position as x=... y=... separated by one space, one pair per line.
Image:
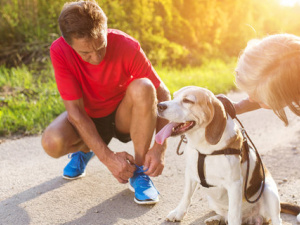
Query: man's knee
x=52 y=143
x=142 y=90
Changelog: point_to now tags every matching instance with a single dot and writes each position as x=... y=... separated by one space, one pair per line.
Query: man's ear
x=214 y=130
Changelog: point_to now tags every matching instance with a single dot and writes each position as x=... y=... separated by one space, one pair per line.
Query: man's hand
x=121 y=165
x=154 y=160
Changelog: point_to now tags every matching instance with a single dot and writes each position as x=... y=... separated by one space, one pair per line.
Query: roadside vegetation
x=29 y=99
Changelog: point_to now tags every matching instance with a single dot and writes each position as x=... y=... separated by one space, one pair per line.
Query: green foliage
x=149 y=21
x=215 y=75
x=171 y=32
x=28 y=101
x=28 y=20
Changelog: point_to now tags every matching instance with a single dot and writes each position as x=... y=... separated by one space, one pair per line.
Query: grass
x=215 y=75
x=29 y=99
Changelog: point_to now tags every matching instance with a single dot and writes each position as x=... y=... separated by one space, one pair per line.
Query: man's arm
x=117 y=163
x=154 y=160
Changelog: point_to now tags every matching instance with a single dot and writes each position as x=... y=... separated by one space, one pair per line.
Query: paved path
x=32 y=190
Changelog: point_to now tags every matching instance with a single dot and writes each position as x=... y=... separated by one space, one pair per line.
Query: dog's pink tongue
x=164 y=133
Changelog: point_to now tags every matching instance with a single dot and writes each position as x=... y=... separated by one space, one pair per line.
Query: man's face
x=90 y=50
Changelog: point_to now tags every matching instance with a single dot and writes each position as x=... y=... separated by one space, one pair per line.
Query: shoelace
x=77 y=160
x=143 y=180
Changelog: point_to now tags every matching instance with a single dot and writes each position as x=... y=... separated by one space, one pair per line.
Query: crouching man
x=109 y=89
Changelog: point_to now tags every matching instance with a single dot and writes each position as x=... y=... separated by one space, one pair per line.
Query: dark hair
x=82 y=19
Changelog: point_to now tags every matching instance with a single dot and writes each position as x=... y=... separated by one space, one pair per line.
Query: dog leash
x=245 y=144
x=184 y=140
x=229 y=108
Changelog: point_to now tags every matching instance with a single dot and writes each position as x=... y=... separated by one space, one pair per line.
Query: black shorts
x=107 y=129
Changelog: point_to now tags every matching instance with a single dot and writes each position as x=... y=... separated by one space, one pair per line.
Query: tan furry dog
x=215 y=157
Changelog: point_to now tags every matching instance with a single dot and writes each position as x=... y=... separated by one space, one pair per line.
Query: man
x=109 y=89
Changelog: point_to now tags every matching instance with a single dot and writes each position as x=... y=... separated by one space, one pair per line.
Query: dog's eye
x=186 y=100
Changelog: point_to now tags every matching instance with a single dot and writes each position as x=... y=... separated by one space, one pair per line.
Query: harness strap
x=227 y=151
x=201 y=161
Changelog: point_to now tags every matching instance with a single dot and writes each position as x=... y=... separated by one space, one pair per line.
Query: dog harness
x=229 y=151
x=259 y=170
x=201 y=160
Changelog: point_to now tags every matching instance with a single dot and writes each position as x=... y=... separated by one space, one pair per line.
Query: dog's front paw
x=175 y=215
x=214 y=220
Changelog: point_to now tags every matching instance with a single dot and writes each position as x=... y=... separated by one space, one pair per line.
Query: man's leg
x=137 y=115
x=61 y=138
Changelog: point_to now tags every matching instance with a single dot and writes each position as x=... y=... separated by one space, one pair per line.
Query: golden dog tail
x=290 y=209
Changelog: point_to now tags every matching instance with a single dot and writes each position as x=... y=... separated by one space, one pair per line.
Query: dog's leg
x=217 y=219
x=180 y=211
x=258 y=220
x=234 y=190
x=271 y=203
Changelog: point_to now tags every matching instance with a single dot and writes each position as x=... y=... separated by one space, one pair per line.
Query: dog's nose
x=161 y=107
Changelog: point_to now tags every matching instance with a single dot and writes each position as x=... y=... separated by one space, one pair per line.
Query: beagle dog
x=216 y=158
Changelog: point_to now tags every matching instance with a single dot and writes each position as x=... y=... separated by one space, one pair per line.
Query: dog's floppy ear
x=214 y=130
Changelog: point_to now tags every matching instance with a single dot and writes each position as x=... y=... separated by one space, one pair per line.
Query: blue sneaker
x=76 y=167
x=143 y=188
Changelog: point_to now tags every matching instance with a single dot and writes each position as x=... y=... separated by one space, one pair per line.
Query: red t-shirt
x=102 y=86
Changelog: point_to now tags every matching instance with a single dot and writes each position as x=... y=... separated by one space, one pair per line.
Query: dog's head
x=193 y=108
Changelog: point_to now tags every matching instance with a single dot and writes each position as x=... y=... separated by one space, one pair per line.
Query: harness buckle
x=244 y=133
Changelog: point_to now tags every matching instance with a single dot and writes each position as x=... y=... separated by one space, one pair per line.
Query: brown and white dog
x=201 y=116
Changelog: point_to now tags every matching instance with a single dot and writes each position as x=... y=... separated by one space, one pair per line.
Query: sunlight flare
x=289 y=3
